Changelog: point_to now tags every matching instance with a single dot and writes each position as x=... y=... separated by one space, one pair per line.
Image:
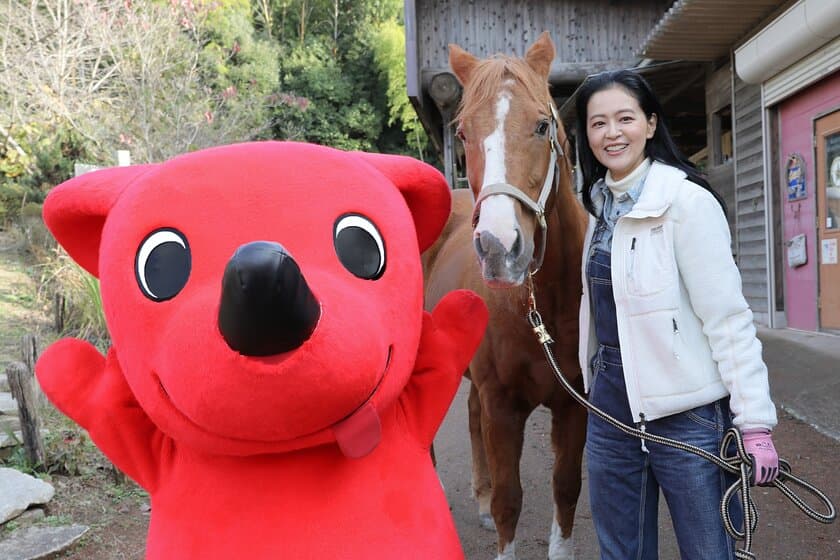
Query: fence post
x=29 y=351
x=22 y=381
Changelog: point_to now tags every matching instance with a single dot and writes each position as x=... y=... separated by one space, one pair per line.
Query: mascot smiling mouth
x=357 y=433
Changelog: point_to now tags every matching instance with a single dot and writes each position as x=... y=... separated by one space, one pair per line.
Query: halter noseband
x=538 y=207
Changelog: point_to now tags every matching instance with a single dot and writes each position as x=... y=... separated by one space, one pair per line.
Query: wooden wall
x=590 y=35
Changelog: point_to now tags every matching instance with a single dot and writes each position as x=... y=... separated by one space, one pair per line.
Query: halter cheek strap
x=538 y=207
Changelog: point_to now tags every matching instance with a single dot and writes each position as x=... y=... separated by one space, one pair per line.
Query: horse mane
x=488 y=75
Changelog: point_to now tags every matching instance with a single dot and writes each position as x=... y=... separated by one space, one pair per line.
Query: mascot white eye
x=162 y=265
x=359 y=246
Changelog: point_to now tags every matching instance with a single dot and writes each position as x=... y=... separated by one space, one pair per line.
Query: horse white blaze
x=498 y=214
x=558 y=547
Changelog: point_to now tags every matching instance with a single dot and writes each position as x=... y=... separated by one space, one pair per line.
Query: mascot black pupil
x=359 y=253
x=167 y=270
x=163 y=264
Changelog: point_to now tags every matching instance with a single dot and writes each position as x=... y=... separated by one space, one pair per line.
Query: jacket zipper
x=676 y=337
x=631 y=272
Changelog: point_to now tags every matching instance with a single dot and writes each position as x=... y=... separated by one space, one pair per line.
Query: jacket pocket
x=651 y=266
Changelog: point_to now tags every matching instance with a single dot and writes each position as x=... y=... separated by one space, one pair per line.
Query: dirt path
x=116 y=512
x=20 y=311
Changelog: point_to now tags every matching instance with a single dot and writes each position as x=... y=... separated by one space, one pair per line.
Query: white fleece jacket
x=686 y=332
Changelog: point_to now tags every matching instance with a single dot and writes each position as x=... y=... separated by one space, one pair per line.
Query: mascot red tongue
x=274 y=382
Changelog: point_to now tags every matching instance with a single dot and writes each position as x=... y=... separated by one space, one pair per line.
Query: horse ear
x=425 y=191
x=75 y=211
x=462 y=63
x=541 y=54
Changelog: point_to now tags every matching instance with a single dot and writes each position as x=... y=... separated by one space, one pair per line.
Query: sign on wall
x=795 y=176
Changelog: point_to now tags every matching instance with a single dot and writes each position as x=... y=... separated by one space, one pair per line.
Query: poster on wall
x=829 y=251
x=795 y=175
x=797 y=254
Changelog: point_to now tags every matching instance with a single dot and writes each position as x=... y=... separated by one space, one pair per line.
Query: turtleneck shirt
x=613 y=199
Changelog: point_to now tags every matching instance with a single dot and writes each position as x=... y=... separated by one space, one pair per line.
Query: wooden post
x=59 y=311
x=21 y=381
x=29 y=351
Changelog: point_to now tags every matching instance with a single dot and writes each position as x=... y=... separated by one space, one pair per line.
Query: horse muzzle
x=266 y=306
x=502 y=267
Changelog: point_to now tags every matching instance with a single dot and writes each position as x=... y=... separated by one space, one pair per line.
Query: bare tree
x=118 y=73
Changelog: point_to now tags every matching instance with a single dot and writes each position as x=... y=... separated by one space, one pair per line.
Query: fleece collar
x=661 y=186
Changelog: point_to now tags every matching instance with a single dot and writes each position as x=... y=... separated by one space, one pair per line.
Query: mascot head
x=259 y=296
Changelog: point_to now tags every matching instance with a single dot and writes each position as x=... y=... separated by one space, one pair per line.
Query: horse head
x=512 y=139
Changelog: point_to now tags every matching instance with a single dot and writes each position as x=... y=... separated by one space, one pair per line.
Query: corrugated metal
x=807 y=71
x=750 y=205
x=704 y=29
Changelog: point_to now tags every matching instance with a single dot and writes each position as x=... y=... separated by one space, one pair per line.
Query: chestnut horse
x=527 y=217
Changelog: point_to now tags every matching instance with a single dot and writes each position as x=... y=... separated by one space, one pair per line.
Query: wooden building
x=775 y=77
x=734 y=78
x=589 y=35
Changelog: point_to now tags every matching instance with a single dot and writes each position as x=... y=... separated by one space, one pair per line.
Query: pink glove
x=759 y=444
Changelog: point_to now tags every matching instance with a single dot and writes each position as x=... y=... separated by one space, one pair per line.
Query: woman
x=667 y=339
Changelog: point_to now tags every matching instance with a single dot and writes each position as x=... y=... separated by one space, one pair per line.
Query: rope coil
x=739 y=464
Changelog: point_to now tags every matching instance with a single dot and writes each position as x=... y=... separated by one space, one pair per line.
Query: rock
x=18 y=491
x=9 y=423
x=30 y=517
x=7 y=441
x=8 y=405
x=34 y=543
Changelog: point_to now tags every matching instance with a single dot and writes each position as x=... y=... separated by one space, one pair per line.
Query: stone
x=9 y=423
x=35 y=543
x=30 y=516
x=8 y=441
x=18 y=491
x=8 y=405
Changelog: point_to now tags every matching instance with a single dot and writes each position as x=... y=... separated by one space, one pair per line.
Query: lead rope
x=739 y=464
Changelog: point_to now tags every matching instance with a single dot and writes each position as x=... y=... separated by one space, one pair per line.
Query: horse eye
x=162 y=265
x=359 y=246
x=542 y=128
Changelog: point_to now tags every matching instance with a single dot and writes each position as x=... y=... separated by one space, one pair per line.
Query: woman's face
x=617 y=130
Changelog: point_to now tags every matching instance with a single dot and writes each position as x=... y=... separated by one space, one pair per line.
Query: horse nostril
x=516 y=250
x=479 y=246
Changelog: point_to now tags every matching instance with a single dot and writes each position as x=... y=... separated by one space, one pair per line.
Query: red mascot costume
x=274 y=382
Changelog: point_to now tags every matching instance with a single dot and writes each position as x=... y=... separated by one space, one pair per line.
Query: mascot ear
x=425 y=191
x=75 y=211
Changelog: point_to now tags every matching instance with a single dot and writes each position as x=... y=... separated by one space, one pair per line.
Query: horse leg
x=568 y=435
x=503 y=427
x=480 y=473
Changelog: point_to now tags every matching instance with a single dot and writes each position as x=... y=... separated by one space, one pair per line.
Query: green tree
x=321 y=103
x=389 y=56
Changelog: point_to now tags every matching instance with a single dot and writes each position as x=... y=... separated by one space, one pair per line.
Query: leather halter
x=538 y=207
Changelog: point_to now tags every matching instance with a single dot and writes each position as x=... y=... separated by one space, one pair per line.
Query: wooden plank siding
x=588 y=34
x=750 y=205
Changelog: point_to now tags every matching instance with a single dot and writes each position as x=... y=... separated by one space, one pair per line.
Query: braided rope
x=739 y=463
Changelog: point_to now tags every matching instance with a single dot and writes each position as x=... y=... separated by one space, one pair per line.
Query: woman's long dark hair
x=659 y=148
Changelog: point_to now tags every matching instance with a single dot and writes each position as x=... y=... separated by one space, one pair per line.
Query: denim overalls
x=624 y=479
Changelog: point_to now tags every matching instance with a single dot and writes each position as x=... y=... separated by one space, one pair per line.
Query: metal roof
x=704 y=30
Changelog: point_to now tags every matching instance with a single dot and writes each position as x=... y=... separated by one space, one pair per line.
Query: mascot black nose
x=267 y=307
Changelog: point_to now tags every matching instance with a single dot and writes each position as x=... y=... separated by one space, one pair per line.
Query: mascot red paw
x=274 y=382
